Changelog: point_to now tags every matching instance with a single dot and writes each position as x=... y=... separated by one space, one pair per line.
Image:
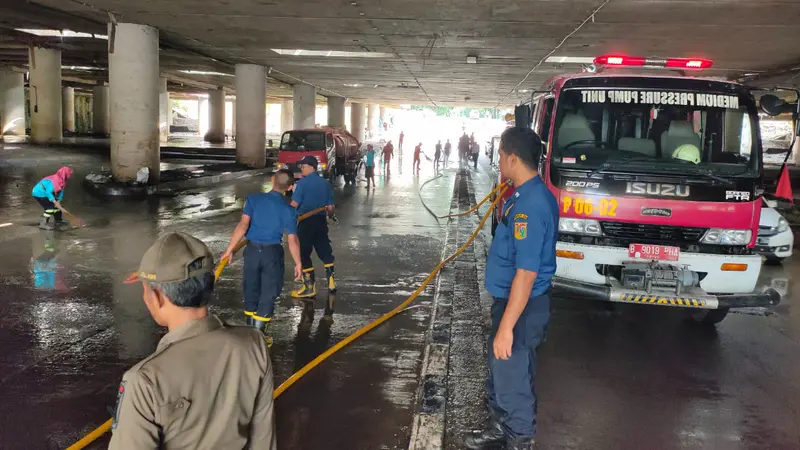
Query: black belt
x=258 y=245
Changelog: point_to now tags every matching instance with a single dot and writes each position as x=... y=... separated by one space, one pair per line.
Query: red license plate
x=654 y=252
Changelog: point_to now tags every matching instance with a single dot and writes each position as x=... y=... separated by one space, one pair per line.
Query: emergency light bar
x=638 y=61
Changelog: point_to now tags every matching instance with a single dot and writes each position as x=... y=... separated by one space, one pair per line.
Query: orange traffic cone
x=784 y=189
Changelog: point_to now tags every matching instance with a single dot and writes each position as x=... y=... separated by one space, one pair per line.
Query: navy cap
x=308 y=160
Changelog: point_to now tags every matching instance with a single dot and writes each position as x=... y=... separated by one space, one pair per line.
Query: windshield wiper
x=606 y=166
x=710 y=175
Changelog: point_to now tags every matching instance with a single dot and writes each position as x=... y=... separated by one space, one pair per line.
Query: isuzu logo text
x=657 y=189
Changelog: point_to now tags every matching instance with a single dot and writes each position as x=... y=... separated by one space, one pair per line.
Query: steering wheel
x=585 y=141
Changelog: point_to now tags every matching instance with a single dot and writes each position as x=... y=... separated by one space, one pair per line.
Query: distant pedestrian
x=207 y=385
x=369 y=166
x=265 y=219
x=475 y=150
x=400 y=141
x=49 y=192
x=417 y=151
x=463 y=148
x=388 y=152
x=448 y=147
x=437 y=155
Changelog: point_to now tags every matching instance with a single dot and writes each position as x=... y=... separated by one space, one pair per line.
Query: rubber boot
x=46 y=223
x=520 y=444
x=329 y=274
x=492 y=437
x=308 y=289
x=263 y=327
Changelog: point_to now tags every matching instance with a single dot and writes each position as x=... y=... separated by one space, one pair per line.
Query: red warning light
x=638 y=61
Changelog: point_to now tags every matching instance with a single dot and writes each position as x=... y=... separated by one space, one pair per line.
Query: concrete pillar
x=101 y=123
x=793 y=159
x=12 y=103
x=305 y=106
x=164 y=110
x=233 y=119
x=357 y=121
x=133 y=75
x=68 y=109
x=45 y=95
x=216 y=116
x=373 y=111
x=251 y=110
x=336 y=111
x=287 y=115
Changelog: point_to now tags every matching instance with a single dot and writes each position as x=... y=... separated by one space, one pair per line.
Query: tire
x=708 y=316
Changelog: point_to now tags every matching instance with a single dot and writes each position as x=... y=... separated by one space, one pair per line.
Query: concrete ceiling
x=428 y=41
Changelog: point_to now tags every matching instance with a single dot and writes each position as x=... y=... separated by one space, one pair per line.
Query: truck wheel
x=773 y=261
x=708 y=316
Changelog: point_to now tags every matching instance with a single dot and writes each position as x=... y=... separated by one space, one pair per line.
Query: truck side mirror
x=774 y=106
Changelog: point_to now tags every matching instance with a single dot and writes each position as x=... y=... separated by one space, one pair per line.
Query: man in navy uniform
x=519 y=270
x=313 y=192
x=266 y=217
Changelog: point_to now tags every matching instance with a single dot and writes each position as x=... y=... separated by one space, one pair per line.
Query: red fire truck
x=657 y=176
x=337 y=151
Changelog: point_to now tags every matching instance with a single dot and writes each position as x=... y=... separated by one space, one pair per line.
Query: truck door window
x=328 y=140
x=547 y=119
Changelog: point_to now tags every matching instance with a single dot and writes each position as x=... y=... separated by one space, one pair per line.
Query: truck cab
x=336 y=150
x=657 y=179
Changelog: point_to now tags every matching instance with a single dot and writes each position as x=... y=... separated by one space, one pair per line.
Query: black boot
x=263 y=327
x=308 y=288
x=329 y=274
x=492 y=437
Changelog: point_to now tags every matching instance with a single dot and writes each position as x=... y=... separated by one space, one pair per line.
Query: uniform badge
x=520 y=230
x=118 y=408
x=520 y=216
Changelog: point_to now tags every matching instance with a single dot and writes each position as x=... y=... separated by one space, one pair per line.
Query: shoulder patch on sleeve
x=118 y=407
x=520 y=230
x=521 y=216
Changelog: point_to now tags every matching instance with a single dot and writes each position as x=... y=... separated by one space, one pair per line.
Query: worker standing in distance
x=519 y=271
x=313 y=192
x=265 y=218
x=400 y=141
x=417 y=152
x=448 y=147
x=207 y=385
x=388 y=152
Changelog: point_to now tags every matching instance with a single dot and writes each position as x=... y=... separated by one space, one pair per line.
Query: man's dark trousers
x=512 y=396
x=263 y=278
x=313 y=235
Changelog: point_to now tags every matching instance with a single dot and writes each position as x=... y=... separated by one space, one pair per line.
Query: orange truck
x=337 y=151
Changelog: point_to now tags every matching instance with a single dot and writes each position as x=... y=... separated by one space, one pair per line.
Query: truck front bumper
x=691 y=298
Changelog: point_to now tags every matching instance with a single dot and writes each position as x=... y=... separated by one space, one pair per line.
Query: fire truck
x=337 y=151
x=658 y=178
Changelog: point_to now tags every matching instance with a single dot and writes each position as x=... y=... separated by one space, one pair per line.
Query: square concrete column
x=357 y=121
x=164 y=111
x=233 y=119
x=373 y=111
x=305 y=106
x=251 y=115
x=133 y=78
x=101 y=122
x=336 y=111
x=68 y=109
x=216 y=116
x=45 y=95
x=287 y=115
x=12 y=103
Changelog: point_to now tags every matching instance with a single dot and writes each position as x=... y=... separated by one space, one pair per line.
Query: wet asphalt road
x=621 y=377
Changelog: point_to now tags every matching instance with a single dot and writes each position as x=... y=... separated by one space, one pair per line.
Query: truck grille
x=646 y=233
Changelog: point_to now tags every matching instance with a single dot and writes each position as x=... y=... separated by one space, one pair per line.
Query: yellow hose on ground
x=105 y=427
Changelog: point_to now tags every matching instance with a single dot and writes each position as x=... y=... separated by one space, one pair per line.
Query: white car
x=775 y=237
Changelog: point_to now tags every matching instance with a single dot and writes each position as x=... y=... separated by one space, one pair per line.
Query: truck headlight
x=721 y=236
x=588 y=227
x=783 y=225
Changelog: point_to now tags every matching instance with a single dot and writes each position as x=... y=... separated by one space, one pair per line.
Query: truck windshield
x=303 y=141
x=656 y=131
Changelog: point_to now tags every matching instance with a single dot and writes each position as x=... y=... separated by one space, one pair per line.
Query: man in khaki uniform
x=208 y=385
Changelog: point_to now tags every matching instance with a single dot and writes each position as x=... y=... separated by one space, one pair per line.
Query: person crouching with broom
x=49 y=192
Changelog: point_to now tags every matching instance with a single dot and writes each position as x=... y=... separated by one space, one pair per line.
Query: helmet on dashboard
x=687 y=152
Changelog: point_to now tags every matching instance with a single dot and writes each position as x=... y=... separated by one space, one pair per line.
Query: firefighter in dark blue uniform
x=519 y=270
x=266 y=217
x=313 y=192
